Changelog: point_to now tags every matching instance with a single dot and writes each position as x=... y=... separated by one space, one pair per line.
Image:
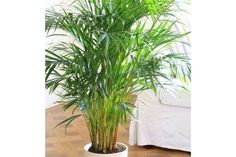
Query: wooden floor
x=58 y=144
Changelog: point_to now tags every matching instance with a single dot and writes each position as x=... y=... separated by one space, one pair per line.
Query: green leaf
x=68 y=121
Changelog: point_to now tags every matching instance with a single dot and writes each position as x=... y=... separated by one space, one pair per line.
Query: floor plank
x=59 y=144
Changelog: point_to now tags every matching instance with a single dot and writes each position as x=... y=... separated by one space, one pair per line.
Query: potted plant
x=115 y=48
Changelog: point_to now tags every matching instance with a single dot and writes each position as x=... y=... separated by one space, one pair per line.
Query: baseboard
x=52 y=105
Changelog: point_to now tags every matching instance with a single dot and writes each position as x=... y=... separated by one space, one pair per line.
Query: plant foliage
x=113 y=53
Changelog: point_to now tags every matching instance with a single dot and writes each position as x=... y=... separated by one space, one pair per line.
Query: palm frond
x=117 y=48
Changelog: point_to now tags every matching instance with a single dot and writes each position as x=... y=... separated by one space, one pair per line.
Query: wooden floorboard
x=59 y=144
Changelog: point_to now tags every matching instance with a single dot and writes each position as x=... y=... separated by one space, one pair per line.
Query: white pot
x=119 y=154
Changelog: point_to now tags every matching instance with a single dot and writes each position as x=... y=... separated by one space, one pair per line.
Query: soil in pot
x=119 y=148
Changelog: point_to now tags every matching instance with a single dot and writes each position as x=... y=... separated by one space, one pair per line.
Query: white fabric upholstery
x=164 y=123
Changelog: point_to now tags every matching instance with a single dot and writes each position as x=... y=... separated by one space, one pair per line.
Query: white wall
x=50 y=99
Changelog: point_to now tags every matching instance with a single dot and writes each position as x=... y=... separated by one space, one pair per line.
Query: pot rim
x=87 y=146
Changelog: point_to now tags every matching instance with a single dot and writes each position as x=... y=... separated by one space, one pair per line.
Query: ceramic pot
x=124 y=153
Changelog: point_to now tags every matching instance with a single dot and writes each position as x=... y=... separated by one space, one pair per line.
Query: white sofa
x=162 y=120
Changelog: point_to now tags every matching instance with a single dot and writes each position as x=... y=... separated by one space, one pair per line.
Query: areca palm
x=113 y=53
